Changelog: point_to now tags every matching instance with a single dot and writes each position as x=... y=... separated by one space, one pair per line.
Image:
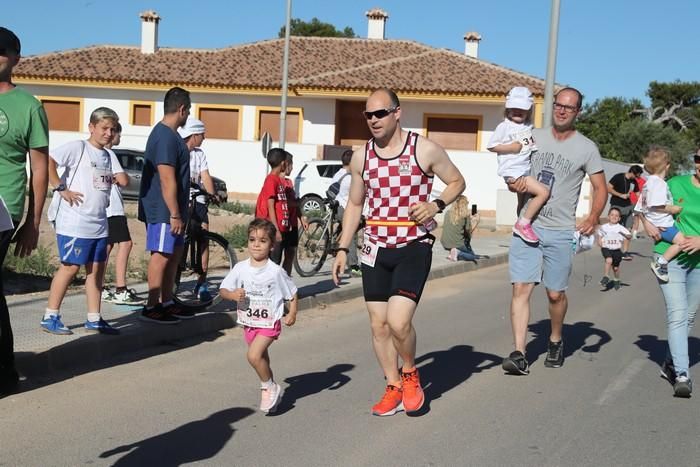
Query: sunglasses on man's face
x=381 y=113
x=696 y=158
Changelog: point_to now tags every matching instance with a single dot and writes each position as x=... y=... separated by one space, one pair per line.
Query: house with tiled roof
x=453 y=98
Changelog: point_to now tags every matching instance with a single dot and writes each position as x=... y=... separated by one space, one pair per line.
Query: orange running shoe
x=390 y=403
x=413 y=396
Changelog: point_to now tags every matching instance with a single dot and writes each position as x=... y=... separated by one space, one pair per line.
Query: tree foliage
x=666 y=94
x=315 y=27
x=634 y=137
x=624 y=129
x=601 y=120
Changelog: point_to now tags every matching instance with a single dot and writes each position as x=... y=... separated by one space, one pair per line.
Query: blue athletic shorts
x=81 y=251
x=159 y=238
x=668 y=234
x=548 y=262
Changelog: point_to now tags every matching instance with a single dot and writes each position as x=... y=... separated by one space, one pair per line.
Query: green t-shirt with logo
x=23 y=126
x=687 y=195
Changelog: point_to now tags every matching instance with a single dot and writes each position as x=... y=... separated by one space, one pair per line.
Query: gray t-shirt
x=562 y=166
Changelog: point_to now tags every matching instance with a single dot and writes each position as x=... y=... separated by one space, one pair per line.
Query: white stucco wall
x=240 y=162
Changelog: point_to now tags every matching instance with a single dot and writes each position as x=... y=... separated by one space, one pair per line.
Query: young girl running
x=610 y=238
x=512 y=141
x=260 y=287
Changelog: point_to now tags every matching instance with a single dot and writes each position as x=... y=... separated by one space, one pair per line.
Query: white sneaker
x=453 y=254
x=127 y=297
x=270 y=398
x=107 y=295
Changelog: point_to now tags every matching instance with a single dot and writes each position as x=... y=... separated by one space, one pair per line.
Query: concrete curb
x=92 y=351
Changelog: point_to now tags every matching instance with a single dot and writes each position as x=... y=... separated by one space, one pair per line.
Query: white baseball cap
x=519 y=97
x=191 y=127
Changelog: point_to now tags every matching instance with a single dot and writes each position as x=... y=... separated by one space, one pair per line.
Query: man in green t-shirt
x=23 y=128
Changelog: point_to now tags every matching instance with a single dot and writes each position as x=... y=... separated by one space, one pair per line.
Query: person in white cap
x=512 y=141
x=193 y=135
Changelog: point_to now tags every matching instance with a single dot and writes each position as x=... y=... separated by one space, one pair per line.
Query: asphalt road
x=187 y=403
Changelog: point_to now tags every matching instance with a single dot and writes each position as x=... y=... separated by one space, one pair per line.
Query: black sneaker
x=605 y=281
x=516 y=364
x=616 y=285
x=668 y=372
x=683 y=386
x=626 y=256
x=179 y=312
x=555 y=355
x=157 y=315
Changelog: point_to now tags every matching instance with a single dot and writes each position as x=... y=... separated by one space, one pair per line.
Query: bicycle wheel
x=312 y=250
x=221 y=259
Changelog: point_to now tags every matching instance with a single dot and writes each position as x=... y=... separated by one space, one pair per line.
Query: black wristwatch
x=440 y=204
x=60 y=187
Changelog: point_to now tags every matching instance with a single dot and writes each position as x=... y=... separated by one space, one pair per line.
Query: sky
x=606 y=48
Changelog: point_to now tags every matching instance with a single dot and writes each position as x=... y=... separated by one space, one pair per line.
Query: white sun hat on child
x=191 y=127
x=519 y=97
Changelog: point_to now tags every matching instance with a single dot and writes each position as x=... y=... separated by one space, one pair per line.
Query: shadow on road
x=575 y=337
x=312 y=383
x=656 y=348
x=136 y=342
x=442 y=370
x=192 y=442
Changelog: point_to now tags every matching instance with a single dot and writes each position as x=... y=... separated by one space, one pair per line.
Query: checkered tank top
x=393 y=185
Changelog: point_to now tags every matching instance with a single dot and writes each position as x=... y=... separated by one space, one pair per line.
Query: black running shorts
x=118 y=230
x=398 y=271
x=616 y=256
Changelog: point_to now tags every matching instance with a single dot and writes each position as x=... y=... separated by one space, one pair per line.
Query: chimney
x=376 y=23
x=149 y=32
x=471 y=44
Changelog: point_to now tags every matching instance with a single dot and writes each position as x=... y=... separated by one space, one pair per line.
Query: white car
x=312 y=181
x=314 y=178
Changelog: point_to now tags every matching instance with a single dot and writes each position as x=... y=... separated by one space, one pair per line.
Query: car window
x=130 y=160
x=328 y=171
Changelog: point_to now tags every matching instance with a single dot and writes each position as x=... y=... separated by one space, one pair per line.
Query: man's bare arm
x=27 y=235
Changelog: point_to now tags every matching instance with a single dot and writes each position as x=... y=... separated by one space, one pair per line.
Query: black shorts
x=289 y=240
x=398 y=271
x=616 y=256
x=118 y=230
x=200 y=213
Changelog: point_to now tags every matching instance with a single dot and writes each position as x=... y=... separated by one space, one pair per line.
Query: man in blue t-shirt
x=163 y=199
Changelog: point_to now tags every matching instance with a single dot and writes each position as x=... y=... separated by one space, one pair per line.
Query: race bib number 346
x=256 y=312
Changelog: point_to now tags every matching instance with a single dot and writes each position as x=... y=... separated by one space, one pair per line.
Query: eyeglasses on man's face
x=696 y=158
x=567 y=108
x=381 y=113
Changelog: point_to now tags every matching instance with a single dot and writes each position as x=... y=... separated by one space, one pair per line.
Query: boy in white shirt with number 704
x=79 y=212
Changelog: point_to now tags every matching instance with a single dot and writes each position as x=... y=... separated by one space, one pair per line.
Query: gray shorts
x=548 y=262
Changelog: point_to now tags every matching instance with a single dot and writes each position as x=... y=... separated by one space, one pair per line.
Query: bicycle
x=220 y=260
x=320 y=239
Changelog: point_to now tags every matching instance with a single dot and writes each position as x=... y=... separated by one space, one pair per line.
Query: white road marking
x=620 y=383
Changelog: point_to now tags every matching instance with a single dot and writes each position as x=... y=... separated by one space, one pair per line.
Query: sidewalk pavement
x=41 y=355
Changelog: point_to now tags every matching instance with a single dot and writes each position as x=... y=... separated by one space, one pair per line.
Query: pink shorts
x=250 y=333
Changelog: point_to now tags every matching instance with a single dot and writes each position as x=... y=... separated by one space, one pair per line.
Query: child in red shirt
x=272 y=201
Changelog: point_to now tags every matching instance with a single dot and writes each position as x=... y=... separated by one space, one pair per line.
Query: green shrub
x=38 y=263
x=237 y=207
x=237 y=235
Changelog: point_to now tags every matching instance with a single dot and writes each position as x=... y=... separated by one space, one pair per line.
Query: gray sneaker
x=660 y=270
x=683 y=386
x=555 y=355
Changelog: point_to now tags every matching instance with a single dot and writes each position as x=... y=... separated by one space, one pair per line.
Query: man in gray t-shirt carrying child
x=563 y=159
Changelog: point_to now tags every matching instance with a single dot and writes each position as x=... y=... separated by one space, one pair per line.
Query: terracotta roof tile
x=315 y=63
